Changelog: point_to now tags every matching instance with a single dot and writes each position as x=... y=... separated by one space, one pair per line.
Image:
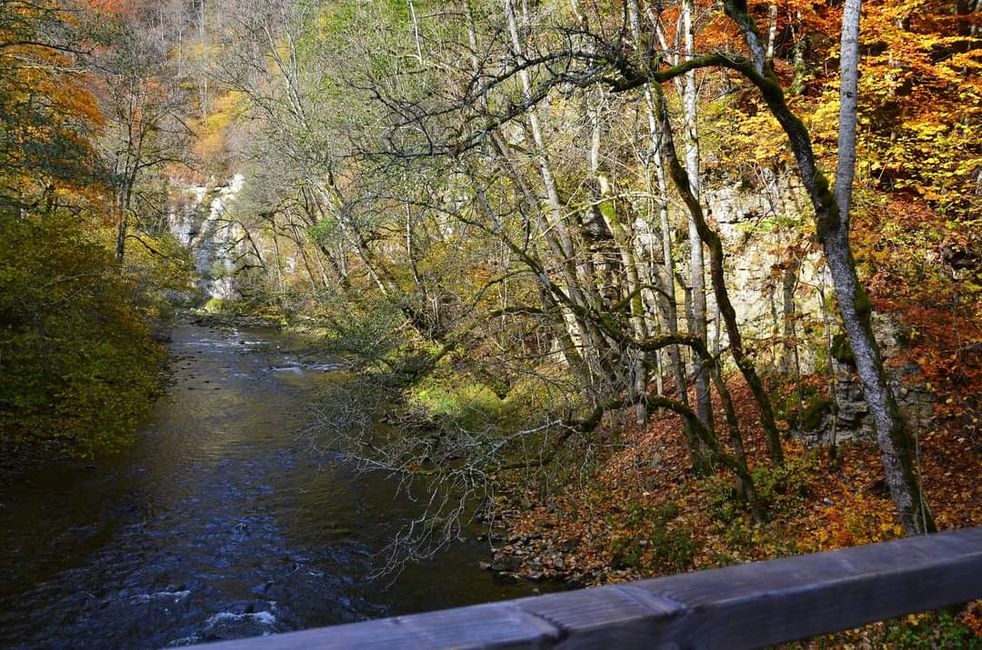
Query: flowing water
x=220 y=522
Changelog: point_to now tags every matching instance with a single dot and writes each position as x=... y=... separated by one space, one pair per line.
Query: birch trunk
x=578 y=279
x=697 y=265
x=893 y=435
x=698 y=450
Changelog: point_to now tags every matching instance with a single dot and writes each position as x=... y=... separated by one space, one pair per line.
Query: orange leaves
x=853 y=518
x=920 y=96
x=645 y=514
x=973 y=617
x=922 y=101
x=924 y=269
x=114 y=7
x=50 y=116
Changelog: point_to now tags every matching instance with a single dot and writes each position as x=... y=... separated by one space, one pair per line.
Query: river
x=220 y=522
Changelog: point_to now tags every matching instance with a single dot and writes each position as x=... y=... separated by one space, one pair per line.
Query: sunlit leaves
x=48 y=116
x=76 y=362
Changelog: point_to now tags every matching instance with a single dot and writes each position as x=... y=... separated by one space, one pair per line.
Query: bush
x=940 y=629
x=779 y=489
x=77 y=364
x=654 y=540
x=725 y=501
x=470 y=406
x=784 y=488
x=370 y=330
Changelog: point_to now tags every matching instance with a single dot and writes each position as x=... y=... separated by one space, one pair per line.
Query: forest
x=631 y=287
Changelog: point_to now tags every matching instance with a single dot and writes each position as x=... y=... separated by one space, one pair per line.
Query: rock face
x=851 y=419
x=202 y=225
x=767 y=270
x=774 y=275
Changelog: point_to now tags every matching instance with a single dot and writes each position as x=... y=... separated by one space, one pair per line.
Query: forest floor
x=644 y=514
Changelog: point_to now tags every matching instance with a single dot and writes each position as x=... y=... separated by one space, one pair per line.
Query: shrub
x=77 y=364
x=471 y=406
x=654 y=540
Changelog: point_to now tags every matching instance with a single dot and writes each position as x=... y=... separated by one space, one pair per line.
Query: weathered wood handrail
x=744 y=606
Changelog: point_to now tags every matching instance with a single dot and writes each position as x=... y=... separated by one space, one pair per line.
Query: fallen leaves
x=644 y=514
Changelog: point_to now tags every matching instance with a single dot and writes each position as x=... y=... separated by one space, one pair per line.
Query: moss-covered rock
x=842 y=351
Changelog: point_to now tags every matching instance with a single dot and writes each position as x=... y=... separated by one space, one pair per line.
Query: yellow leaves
x=891 y=530
x=50 y=114
x=756 y=137
x=213 y=130
x=855 y=518
x=200 y=51
x=920 y=104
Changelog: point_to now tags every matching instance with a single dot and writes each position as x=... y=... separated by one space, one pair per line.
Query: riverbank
x=637 y=512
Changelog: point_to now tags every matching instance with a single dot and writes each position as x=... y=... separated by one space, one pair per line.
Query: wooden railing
x=744 y=606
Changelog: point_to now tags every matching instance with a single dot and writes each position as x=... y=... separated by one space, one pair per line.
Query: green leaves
x=76 y=361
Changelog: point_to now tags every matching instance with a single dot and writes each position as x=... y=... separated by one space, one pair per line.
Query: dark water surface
x=219 y=523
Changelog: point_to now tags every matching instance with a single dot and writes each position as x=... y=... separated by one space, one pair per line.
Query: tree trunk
x=700 y=454
x=607 y=210
x=727 y=312
x=893 y=436
x=697 y=265
x=771 y=28
x=578 y=278
x=120 y=251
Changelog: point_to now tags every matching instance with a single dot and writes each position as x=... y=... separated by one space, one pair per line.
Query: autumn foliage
x=77 y=362
x=480 y=204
